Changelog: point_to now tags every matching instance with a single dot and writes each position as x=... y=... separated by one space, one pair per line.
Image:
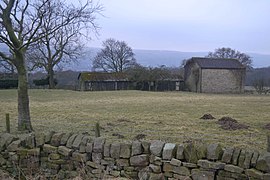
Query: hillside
x=154 y=58
x=159 y=57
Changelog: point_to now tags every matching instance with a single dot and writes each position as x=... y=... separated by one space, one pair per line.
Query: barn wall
x=192 y=80
x=222 y=81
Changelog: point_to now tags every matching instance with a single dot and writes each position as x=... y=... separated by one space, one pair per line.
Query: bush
x=8 y=83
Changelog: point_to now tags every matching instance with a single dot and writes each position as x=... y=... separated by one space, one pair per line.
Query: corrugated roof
x=215 y=63
x=102 y=76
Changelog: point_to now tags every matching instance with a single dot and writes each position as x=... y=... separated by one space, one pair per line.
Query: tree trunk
x=24 y=122
x=51 y=79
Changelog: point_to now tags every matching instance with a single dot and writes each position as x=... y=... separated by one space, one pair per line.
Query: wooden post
x=7 y=123
x=268 y=142
x=97 y=130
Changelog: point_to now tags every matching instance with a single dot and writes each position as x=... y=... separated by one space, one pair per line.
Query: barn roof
x=215 y=63
x=102 y=76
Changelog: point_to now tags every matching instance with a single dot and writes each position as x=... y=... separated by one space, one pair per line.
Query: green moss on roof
x=102 y=76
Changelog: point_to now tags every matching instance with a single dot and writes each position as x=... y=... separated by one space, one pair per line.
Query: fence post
x=268 y=142
x=97 y=130
x=7 y=123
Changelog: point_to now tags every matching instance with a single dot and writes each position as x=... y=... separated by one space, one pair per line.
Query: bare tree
x=20 y=23
x=116 y=56
x=223 y=52
x=64 y=45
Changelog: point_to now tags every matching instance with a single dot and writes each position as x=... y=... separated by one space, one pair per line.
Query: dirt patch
x=139 y=137
x=124 y=120
x=228 y=123
x=207 y=116
x=120 y=136
x=267 y=126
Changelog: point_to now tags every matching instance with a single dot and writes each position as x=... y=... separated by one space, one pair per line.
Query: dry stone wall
x=67 y=155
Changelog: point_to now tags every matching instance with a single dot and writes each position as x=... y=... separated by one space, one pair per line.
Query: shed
x=211 y=75
x=103 y=81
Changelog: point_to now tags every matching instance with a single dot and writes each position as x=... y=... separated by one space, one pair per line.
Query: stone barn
x=209 y=75
x=102 y=81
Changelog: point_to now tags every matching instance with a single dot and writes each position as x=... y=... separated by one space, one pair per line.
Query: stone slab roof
x=215 y=63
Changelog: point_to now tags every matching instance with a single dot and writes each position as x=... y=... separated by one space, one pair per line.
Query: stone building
x=208 y=75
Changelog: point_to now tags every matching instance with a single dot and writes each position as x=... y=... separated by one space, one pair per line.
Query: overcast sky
x=187 y=25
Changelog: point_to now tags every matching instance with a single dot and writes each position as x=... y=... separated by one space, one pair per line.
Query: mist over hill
x=156 y=58
x=152 y=58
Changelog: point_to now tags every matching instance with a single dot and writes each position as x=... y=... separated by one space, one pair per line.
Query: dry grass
x=170 y=116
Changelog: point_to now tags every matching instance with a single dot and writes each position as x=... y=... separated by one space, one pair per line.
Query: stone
x=214 y=152
x=233 y=168
x=53 y=156
x=222 y=173
x=211 y=165
x=154 y=176
x=201 y=150
x=235 y=157
x=93 y=165
x=198 y=174
x=184 y=171
x=115 y=173
x=115 y=150
x=89 y=147
x=180 y=152
x=64 y=151
x=14 y=146
x=106 y=151
x=168 y=175
x=65 y=138
x=56 y=139
x=49 y=149
x=190 y=153
x=169 y=151
x=254 y=174
x=175 y=162
x=241 y=158
x=266 y=176
x=98 y=144
x=247 y=161
x=40 y=139
x=146 y=147
x=86 y=139
x=263 y=163
x=144 y=173
x=167 y=167
x=227 y=155
x=125 y=150
x=122 y=162
x=155 y=160
x=156 y=147
x=71 y=140
x=180 y=177
x=129 y=174
x=139 y=160
x=80 y=157
x=189 y=165
x=77 y=141
x=136 y=148
x=48 y=136
x=254 y=159
x=155 y=168
x=28 y=140
x=96 y=157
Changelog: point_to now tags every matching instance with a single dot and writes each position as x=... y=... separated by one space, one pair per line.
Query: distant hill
x=154 y=58
x=159 y=57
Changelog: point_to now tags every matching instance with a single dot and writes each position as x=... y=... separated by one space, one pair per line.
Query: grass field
x=170 y=116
